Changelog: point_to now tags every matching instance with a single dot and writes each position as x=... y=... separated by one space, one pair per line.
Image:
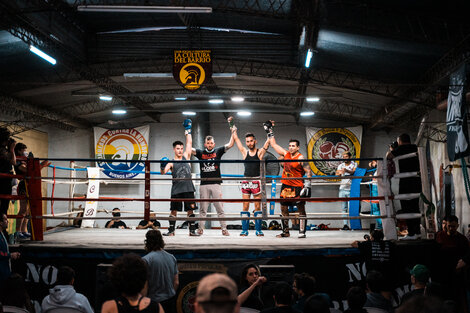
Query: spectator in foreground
x=13 y=293
x=5 y=255
x=162 y=271
x=129 y=276
x=250 y=292
x=283 y=296
x=419 y=278
x=64 y=296
x=356 y=298
x=316 y=304
x=216 y=293
x=422 y=304
x=375 y=295
x=304 y=286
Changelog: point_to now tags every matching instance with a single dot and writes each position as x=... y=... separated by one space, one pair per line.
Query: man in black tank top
x=252 y=170
x=181 y=189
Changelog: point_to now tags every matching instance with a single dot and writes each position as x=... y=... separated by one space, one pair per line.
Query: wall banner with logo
x=192 y=68
x=122 y=145
x=457 y=128
x=331 y=143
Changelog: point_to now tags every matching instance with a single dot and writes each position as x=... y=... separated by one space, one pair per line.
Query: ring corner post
x=429 y=208
x=33 y=180
x=147 y=191
x=262 y=174
x=386 y=206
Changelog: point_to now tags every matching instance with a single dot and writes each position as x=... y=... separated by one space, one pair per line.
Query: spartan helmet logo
x=192 y=75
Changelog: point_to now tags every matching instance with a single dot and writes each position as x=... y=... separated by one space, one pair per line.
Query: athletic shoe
x=302 y=235
x=244 y=233
x=225 y=232
x=283 y=235
x=200 y=231
x=170 y=233
x=412 y=237
x=193 y=233
x=345 y=227
x=22 y=236
x=26 y=234
x=259 y=233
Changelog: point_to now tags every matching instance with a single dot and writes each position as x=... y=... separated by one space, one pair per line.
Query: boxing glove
x=231 y=122
x=268 y=127
x=163 y=163
x=187 y=124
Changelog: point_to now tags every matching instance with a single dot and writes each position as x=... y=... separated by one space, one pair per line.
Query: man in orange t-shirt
x=293 y=188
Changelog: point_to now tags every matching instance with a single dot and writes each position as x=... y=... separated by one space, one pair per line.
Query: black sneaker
x=193 y=233
x=170 y=233
x=345 y=227
x=284 y=234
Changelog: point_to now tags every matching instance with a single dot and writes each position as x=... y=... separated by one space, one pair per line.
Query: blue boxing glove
x=187 y=124
x=163 y=163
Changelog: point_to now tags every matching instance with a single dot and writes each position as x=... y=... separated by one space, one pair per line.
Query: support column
x=33 y=181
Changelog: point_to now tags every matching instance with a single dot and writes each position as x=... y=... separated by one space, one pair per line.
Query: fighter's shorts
x=252 y=187
x=188 y=205
x=291 y=192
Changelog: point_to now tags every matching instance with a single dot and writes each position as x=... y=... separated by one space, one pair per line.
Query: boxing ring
x=325 y=254
x=103 y=238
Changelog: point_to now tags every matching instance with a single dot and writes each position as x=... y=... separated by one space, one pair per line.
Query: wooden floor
x=212 y=239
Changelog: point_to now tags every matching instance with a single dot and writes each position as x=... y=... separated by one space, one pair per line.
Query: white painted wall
x=80 y=145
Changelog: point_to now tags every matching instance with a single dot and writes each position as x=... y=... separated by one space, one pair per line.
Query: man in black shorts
x=181 y=189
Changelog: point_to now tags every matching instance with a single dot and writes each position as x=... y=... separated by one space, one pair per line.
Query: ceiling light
x=119 y=111
x=42 y=55
x=216 y=101
x=142 y=9
x=312 y=99
x=181 y=98
x=106 y=98
x=189 y=113
x=307 y=113
x=244 y=113
x=238 y=99
x=308 y=58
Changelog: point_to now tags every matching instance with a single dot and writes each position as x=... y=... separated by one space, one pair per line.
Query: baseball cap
x=420 y=272
x=216 y=288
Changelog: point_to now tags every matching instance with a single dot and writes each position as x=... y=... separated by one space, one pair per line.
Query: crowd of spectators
x=149 y=284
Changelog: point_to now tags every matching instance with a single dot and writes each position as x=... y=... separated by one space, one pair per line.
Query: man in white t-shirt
x=345 y=169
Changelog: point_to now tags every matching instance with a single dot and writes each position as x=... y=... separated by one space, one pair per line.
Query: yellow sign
x=192 y=68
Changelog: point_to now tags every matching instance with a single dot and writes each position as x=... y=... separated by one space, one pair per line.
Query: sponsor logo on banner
x=121 y=145
x=457 y=128
x=192 y=68
x=331 y=143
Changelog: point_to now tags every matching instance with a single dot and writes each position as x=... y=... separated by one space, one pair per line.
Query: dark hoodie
x=65 y=296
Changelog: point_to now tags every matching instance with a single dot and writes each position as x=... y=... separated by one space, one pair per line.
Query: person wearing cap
x=217 y=293
x=419 y=278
